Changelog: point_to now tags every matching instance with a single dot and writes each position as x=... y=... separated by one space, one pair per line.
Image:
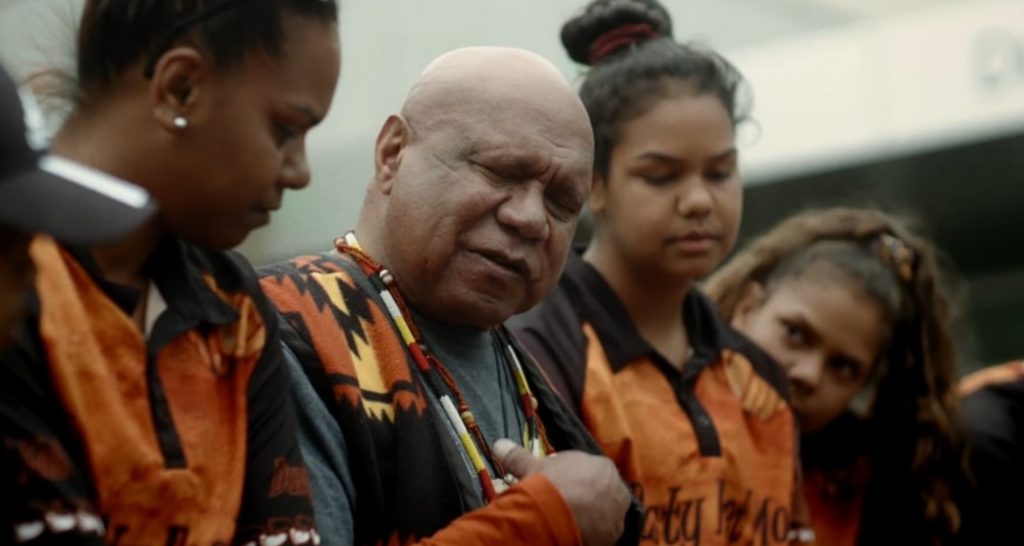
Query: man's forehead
x=519 y=138
x=485 y=87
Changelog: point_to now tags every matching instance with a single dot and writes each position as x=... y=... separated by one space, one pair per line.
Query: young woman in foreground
x=145 y=401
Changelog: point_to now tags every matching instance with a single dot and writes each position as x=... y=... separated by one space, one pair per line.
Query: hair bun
x=607 y=26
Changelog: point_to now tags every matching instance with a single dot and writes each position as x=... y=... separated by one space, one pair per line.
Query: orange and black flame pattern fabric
x=184 y=436
x=413 y=484
x=710 y=449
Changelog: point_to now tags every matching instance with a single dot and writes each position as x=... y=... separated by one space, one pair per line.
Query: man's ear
x=175 y=89
x=388 y=152
x=598 y=195
x=750 y=300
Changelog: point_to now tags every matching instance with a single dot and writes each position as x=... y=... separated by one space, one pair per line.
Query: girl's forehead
x=818 y=273
x=821 y=287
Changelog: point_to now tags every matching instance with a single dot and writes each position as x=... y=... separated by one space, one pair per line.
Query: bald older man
x=422 y=418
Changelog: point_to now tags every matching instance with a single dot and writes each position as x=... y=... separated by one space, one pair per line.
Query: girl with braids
x=145 y=401
x=693 y=414
x=846 y=299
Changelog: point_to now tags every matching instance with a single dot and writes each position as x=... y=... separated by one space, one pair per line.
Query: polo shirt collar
x=178 y=278
x=620 y=339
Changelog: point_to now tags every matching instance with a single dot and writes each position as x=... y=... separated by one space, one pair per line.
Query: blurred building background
x=915 y=106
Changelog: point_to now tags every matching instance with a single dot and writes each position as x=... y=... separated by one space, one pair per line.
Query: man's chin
x=483 y=313
x=482 y=318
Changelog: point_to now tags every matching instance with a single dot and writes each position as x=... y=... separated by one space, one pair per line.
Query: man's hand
x=590 y=485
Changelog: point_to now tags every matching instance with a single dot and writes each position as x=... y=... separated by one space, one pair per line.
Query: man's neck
x=437 y=331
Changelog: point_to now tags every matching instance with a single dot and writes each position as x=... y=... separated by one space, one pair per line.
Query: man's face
x=482 y=210
x=16 y=276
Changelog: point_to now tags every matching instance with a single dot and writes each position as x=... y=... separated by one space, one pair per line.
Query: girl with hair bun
x=849 y=302
x=694 y=415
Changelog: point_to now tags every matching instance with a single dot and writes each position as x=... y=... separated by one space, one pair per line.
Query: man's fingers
x=516 y=460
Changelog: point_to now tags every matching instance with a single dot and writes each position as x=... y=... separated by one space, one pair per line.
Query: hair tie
x=898 y=255
x=617 y=38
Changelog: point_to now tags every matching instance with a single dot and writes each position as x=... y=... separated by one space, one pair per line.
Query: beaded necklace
x=441 y=384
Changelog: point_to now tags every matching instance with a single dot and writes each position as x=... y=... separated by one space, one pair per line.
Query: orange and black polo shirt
x=185 y=436
x=710 y=450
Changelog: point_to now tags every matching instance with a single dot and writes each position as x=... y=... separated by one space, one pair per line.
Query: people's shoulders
x=295 y=284
x=762 y=363
x=232 y=279
x=327 y=261
x=992 y=404
x=300 y=288
x=732 y=345
x=552 y=333
x=554 y=320
x=1007 y=377
x=228 y=274
x=327 y=309
x=229 y=268
x=992 y=400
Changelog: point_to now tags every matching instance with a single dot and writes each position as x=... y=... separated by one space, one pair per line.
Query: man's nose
x=525 y=211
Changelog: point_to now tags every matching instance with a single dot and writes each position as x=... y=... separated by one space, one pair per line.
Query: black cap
x=54 y=195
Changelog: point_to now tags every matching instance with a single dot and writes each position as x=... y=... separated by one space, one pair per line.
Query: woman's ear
x=388 y=152
x=175 y=88
x=751 y=299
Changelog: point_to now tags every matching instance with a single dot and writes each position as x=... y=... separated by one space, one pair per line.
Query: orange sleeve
x=531 y=512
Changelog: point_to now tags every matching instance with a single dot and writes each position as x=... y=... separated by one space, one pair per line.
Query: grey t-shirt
x=471 y=356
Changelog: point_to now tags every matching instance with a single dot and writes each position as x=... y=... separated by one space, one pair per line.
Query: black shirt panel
x=994 y=416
